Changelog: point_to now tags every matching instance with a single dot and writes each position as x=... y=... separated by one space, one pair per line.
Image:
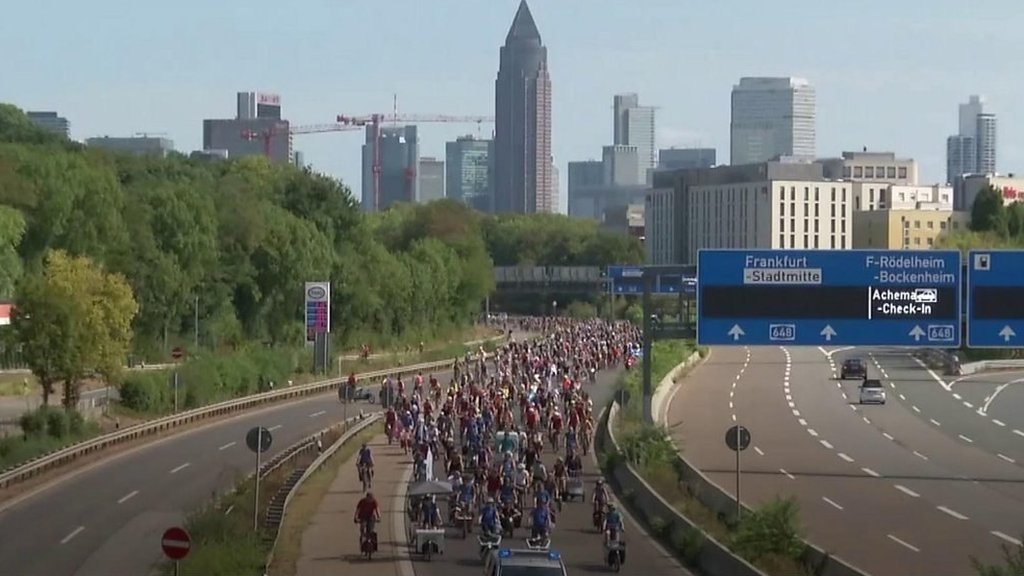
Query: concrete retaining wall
x=715 y=498
x=659 y=400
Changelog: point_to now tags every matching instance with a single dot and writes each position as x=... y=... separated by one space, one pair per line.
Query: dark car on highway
x=853 y=368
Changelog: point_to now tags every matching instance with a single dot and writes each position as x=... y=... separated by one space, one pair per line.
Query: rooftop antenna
x=394 y=108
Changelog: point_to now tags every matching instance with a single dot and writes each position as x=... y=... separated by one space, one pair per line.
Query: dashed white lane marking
x=812 y=432
x=128 y=496
x=888 y=436
x=789 y=397
x=934 y=421
x=906 y=545
x=871 y=472
x=907 y=491
x=733 y=417
x=865 y=419
x=226 y=446
x=730 y=406
x=845 y=397
x=968 y=404
x=732 y=393
x=998 y=422
x=796 y=412
x=1007 y=458
x=845 y=457
x=73 y=533
x=180 y=468
x=802 y=422
x=826 y=444
x=832 y=503
x=952 y=513
x=919 y=455
x=916 y=409
x=958 y=397
x=902 y=397
x=1018 y=432
x=965 y=439
x=788 y=475
x=278 y=427
x=852 y=407
x=792 y=404
x=1005 y=537
x=759 y=451
x=320 y=413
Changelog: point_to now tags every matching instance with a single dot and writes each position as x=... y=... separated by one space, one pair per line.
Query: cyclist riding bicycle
x=600 y=496
x=613 y=527
x=541 y=518
x=431 y=517
x=490 y=518
x=367 y=514
x=365 y=460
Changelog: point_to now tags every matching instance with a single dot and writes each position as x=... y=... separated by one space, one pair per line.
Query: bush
x=648 y=446
x=211 y=379
x=1013 y=558
x=34 y=423
x=771 y=531
x=57 y=424
x=45 y=429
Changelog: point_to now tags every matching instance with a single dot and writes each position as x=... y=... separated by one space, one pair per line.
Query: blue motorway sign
x=629 y=280
x=995 y=299
x=829 y=298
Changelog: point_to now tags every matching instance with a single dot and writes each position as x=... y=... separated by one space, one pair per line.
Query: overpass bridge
x=626 y=279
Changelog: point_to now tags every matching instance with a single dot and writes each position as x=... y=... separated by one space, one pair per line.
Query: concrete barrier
x=659 y=400
x=686 y=538
x=723 y=504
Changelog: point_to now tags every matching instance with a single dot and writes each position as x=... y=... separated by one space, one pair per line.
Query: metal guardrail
x=62 y=456
x=315 y=466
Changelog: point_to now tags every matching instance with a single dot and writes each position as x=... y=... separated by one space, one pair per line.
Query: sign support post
x=177 y=353
x=738 y=439
x=258 y=439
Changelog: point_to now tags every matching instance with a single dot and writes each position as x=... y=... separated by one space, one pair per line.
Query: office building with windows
x=467 y=171
x=634 y=125
x=137 y=145
x=772 y=118
x=51 y=122
x=431 y=177
x=399 y=157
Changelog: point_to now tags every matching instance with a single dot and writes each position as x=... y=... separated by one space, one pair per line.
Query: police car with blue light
x=507 y=562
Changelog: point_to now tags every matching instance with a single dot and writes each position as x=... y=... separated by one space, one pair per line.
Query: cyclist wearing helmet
x=613 y=527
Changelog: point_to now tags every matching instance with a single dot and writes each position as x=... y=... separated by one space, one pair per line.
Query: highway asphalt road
x=580 y=544
x=879 y=486
x=108 y=518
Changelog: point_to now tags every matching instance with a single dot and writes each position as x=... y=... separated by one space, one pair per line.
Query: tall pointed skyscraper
x=523 y=166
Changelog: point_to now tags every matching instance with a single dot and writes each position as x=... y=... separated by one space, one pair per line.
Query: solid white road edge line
x=787 y=474
x=871 y=472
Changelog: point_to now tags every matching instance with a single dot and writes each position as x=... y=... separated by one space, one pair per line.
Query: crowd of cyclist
x=487 y=432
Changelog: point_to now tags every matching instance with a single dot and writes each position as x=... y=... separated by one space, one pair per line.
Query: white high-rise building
x=634 y=126
x=772 y=117
x=973 y=149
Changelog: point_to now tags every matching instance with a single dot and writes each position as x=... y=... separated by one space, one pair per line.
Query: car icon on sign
x=926 y=295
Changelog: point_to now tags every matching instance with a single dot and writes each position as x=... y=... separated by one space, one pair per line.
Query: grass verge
x=223 y=540
x=769 y=538
x=307 y=500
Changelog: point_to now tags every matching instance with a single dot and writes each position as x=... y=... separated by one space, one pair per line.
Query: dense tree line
x=130 y=249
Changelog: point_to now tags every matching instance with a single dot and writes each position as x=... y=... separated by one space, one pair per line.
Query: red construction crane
x=267 y=135
x=375 y=120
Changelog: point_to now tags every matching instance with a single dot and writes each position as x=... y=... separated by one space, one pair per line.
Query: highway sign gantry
x=629 y=280
x=829 y=298
x=176 y=543
x=995 y=299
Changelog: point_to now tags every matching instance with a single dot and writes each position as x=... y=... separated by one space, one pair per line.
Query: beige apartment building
x=910 y=229
x=775 y=214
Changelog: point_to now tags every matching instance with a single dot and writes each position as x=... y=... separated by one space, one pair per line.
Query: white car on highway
x=872 y=392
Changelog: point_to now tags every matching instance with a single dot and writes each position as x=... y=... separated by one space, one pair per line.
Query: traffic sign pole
x=739 y=505
x=738 y=439
x=258 y=439
x=256 y=494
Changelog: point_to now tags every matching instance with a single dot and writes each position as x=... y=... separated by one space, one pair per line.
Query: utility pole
x=196 y=323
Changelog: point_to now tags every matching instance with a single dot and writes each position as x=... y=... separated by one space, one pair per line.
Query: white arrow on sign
x=1007 y=333
x=736 y=332
x=828 y=332
x=917 y=332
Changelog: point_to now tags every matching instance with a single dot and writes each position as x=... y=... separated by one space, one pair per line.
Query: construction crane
x=376 y=120
x=268 y=134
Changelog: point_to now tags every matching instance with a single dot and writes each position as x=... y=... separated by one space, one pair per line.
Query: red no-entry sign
x=176 y=543
x=177 y=353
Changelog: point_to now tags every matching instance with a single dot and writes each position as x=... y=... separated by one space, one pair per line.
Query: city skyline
x=907 y=104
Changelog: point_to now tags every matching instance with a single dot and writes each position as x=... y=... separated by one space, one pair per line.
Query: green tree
x=73 y=318
x=12 y=229
x=988 y=213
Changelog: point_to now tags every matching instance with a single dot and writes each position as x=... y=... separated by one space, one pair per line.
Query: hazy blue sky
x=889 y=75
